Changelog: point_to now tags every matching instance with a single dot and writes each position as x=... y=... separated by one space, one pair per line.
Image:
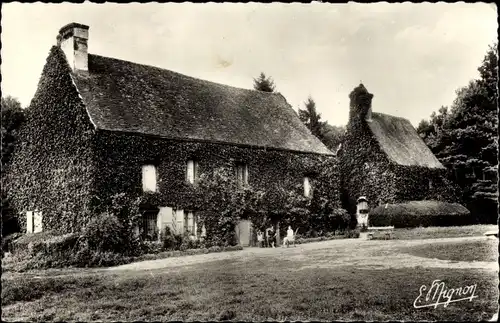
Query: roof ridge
x=187 y=76
x=390 y=115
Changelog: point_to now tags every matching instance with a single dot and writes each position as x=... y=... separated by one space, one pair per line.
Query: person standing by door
x=260 y=239
x=270 y=234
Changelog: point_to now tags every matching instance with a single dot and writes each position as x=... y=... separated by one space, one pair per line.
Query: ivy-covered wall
x=364 y=168
x=366 y=171
x=120 y=158
x=70 y=171
x=52 y=169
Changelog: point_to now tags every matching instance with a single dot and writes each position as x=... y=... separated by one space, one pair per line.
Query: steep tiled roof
x=401 y=142
x=130 y=97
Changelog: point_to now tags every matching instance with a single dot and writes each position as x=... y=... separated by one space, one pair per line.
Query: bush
x=151 y=247
x=7 y=241
x=168 y=239
x=413 y=221
x=105 y=233
x=352 y=234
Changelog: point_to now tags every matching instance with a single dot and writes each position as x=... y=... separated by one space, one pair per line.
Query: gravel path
x=372 y=254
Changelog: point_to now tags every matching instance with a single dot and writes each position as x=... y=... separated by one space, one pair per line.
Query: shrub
x=148 y=247
x=404 y=220
x=169 y=240
x=352 y=234
x=7 y=241
x=104 y=233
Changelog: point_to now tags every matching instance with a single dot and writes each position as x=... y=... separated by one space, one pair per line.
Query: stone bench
x=386 y=231
x=491 y=233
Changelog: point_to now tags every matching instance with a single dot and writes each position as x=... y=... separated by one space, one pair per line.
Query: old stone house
x=99 y=126
x=384 y=160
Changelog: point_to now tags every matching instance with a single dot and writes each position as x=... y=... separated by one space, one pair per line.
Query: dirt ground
x=370 y=254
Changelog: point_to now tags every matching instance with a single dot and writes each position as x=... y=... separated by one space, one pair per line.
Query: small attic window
x=307 y=186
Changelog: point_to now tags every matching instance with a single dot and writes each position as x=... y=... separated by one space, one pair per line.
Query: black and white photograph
x=249 y=162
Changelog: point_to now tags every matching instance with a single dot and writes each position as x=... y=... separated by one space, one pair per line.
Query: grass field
x=462 y=251
x=443 y=232
x=331 y=280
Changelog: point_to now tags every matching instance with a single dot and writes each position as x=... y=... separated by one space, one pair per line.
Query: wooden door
x=243 y=231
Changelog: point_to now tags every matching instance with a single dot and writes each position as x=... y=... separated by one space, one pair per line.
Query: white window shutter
x=37 y=221
x=190 y=171
x=29 y=222
x=149 y=178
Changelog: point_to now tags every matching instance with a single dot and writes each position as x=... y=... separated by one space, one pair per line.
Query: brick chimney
x=361 y=104
x=73 y=40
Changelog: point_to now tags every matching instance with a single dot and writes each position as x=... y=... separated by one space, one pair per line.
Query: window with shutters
x=307 y=187
x=242 y=174
x=192 y=171
x=149 y=178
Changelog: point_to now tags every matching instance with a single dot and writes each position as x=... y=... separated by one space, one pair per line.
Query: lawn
x=443 y=232
x=486 y=250
x=272 y=284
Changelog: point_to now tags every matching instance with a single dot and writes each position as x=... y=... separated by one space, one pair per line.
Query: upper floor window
x=192 y=171
x=149 y=178
x=307 y=187
x=242 y=174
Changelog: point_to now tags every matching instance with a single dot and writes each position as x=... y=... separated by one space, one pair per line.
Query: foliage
x=12 y=119
x=104 y=233
x=330 y=136
x=264 y=83
x=312 y=119
x=226 y=202
x=464 y=137
x=333 y=136
x=404 y=220
x=51 y=170
x=169 y=240
x=366 y=170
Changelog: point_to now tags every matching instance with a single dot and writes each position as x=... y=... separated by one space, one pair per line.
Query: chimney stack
x=361 y=103
x=73 y=40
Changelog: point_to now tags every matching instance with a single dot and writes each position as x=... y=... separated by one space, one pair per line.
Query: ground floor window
x=191 y=223
x=149 y=225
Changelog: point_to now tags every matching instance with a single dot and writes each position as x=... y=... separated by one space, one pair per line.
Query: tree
x=12 y=119
x=333 y=136
x=465 y=137
x=263 y=83
x=312 y=119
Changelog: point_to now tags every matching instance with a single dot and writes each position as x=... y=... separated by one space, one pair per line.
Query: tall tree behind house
x=311 y=118
x=465 y=138
x=264 y=83
x=12 y=118
x=331 y=136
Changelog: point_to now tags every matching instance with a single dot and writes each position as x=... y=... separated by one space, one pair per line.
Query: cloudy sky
x=412 y=57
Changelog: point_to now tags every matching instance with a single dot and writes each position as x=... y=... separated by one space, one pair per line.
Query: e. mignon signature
x=438 y=294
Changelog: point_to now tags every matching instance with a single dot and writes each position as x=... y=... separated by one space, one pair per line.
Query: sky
x=412 y=57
